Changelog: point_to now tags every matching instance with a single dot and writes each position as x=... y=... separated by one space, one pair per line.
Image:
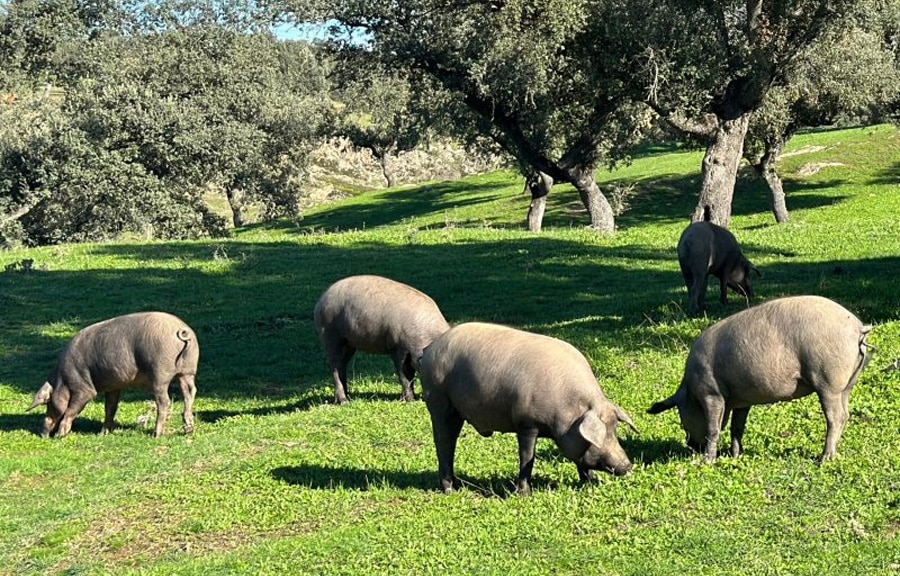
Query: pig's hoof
x=188 y=430
x=828 y=457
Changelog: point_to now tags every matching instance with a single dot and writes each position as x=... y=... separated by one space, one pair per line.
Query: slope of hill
x=278 y=480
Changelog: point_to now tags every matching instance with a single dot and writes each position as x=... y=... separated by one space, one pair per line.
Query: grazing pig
x=379 y=316
x=781 y=350
x=142 y=350
x=705 y=249
x=504 y=380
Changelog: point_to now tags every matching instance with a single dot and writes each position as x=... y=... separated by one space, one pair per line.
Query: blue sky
x=312 y=32
x=301 y=31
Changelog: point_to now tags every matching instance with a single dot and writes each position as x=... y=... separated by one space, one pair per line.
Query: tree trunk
x=386 y=169
x=719 y=173
x=766 y=170
x=539 y=184
x=602 y=217
x=236 y=202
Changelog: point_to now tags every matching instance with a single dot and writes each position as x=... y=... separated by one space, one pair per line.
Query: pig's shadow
x=639 y=450
x=326 y=478
x=214 y=416
x=33 y=422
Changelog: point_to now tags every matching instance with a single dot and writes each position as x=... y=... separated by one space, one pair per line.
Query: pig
x=500 y=379
x=780 y=350
x=705 y=248
x=380 y=316
x=141 y=350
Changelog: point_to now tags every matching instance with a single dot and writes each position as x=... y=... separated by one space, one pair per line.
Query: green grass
x=277 y=480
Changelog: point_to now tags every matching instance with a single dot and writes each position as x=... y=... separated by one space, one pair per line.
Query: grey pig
x=780 y=350
x=141 y=350
x=705 y=248
x=379 y=316
x=500 y=379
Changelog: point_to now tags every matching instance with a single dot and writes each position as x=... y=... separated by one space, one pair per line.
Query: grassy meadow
x=278 y=480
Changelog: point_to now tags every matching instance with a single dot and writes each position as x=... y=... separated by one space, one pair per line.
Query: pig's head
x=56 y=402
x=739 y=278
x=592 y=442
x=693 y=419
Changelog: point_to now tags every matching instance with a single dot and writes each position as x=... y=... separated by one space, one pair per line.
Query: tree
x=248 y=107
x=852 y=77
x=526 y=70
x=155 y=105
x=383 y=111
x=706 y=66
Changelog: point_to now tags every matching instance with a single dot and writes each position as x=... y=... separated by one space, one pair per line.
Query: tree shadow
x=891 y=175
x=252 y=310
x=396 y=205
x=673 y=198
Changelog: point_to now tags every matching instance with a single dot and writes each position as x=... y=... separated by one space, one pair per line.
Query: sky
x=301 y=31
x=312 y=32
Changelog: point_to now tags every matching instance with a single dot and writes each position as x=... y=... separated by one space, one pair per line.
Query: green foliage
x=277 y=480
x=153 y=107
x=382 y=111
x=531 y=73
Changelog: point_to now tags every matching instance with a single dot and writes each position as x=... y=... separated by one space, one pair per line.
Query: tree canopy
x=120 y=117
x=150 y=109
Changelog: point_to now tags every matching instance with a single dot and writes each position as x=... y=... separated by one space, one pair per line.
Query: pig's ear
x=42 y=396
x=623 y=417
x=592 y=428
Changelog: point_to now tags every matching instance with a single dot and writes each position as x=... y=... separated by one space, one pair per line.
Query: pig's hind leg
x=446 y=424
x=405 y=372
x=111 y=405
x=339 y=355
x=527 y=440
x=188 y=391
x=160 y=386
x=834 y=405
x=738 y=425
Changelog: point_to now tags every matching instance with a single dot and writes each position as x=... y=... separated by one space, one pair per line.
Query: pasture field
x=278 y=480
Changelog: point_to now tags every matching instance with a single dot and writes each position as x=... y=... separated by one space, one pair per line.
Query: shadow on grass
x=637 y=448
x=214 y=416
x=397 y=205
x=891 y=175
x=330 y=478
x=252 y=311
x=654 y=451
x=34 y=421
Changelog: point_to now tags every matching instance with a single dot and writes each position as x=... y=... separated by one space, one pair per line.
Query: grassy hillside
x=277 y=480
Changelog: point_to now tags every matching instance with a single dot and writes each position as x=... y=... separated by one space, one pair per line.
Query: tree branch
x=21 y=211
x=704 y=128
